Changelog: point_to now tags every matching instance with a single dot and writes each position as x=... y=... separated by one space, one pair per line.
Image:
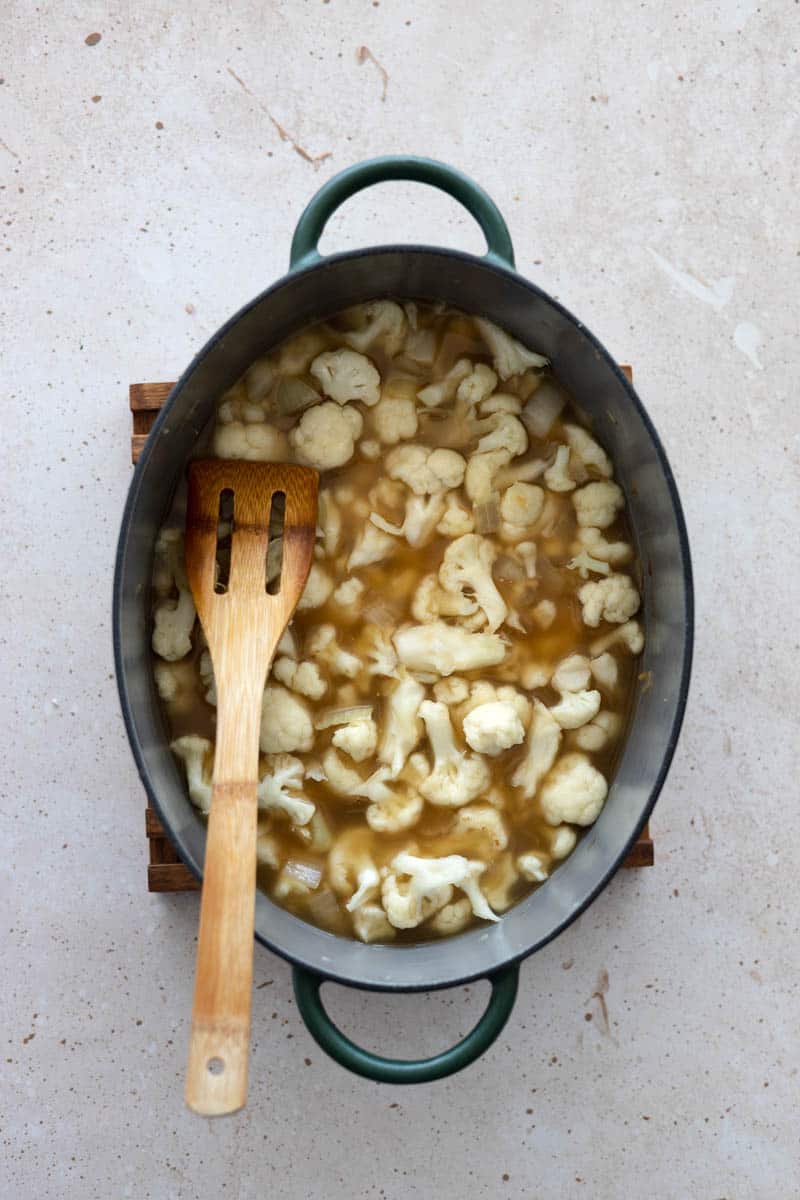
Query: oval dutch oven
x=315 y=288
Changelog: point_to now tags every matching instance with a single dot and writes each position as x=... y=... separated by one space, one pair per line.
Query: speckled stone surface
x=645 y=156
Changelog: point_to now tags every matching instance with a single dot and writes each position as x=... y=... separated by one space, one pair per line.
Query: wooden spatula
x=243 y=625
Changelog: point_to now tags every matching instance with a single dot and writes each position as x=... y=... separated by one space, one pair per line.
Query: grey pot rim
x=330 y=972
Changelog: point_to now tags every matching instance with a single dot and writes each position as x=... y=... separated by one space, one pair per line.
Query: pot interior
x=622 y=427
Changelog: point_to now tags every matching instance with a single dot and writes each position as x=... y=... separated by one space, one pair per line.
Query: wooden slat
x=150 y=396
x=166 y=872
x=171 y=877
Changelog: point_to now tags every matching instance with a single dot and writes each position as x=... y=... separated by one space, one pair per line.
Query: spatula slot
x=224 y=536
x=277 y=517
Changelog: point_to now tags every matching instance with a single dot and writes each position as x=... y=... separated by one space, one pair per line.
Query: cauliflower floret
x=603 y=729
x=456 y=520
x=383 y=320
x=533 y=867
x=476 y=386
x=431 y=603
x=479 y=479
x=285 y=722
x=381 y=656
x=418 y=887
x=302 y=677
x=240 y=403
x=338 y=776
x=445 y=649
x=173 y=618
x=534 y=675
x=481 y=824
x=483 y=692
x=544 y=738
x=373 y=545
x=358 y=739
x=351 y=870
x=592 y=540
x=510 y=356
x=614 y=599
x=571 y=674
x=605 y=669
x=425 y=471
x=195 y=753
x=257 y=443
x=456 y=778
x=370 y=449
x=494 y=727
x=584 y=564
x=283 y=777
x=597 y=504
x=319 y=586
x=574 y=792
x=419 y=523
x=177 y=685
x=206 y=670
x=522 y=504
x=628 y=635
x=329 y=520
x=322 y=645
x=451 y=691
x=394 y=418
x=401 y=728
x=391 y=810
x=325 y=436
x=576 y=709
x=587 y=451
x=544 y=613
x=467 y=564
x=557 y=476
x=268 y=850
x=348 y=593
x=436 y=393
x=500 y=402
x=507 y=434
x=563 y=841
x=370 y=924
x=345 y=375
x=451 y=919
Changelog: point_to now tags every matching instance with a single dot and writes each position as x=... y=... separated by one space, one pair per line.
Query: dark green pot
x=315 y=288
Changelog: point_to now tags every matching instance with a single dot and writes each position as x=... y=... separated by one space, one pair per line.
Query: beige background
x=645 y=156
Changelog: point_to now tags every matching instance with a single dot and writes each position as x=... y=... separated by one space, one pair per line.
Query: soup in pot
x=444 y=713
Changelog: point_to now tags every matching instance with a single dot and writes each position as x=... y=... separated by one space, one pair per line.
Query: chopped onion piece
x=508 y=569
x=487 y=517
x=324 y=908
x=343 y=716
x=305 y=873
x=293 y=396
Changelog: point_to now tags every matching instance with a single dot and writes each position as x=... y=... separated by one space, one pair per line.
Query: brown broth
x=389 y=588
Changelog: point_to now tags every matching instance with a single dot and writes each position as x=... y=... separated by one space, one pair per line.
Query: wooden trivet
x=166 y=872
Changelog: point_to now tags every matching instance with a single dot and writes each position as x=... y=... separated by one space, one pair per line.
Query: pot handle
x=397 y=1070
x=304 y=252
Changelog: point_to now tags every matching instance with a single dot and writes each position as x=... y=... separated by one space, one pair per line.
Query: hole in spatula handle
x=277 y=516
x=224 y=535
x=215 y=1066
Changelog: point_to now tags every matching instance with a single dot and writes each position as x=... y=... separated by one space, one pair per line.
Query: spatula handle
x=216 y=1081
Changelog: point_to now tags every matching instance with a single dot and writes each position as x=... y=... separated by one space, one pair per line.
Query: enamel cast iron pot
x=316 y=288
